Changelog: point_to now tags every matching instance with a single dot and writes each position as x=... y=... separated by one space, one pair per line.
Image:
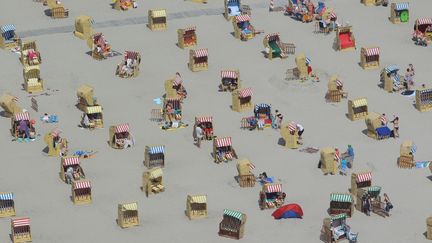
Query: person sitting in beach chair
x=86 y=122
x=69 y=175
x=181 y=91
x=33 y=57
x=170 y=112
x=119 y=139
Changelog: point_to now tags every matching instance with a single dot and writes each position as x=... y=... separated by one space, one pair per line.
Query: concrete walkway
x=138 y=20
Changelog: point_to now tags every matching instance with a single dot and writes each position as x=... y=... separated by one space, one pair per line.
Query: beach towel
x=157 y=101
x=422 y=164
x=84 y=154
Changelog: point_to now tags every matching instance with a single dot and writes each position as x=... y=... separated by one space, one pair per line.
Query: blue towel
x=423 y=164
x=383 y=132
x=53 y=119
x=246 y=31
x=157 y=101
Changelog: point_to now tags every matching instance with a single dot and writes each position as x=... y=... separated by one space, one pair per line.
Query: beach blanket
x=52 y=119
x=157 y=101
x=85 y=154
x=422 y=164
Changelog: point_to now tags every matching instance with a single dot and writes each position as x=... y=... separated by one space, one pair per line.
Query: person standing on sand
x=395 y=127
x=300 y=130
x=199 y=135
x=388 y=204
x=279 y=118
x=383 y=119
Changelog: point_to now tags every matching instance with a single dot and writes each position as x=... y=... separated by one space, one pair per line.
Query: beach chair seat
x=276 y=51
x=155 y=189
x=161 y=187
x=346 y=40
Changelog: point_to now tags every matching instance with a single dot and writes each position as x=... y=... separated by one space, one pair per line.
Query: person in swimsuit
x=395 y=127
x=170 y=111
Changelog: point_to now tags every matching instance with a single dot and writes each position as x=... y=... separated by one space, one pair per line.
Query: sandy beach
x=116 y=175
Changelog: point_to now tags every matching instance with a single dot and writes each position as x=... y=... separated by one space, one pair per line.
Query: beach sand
x=116 y=174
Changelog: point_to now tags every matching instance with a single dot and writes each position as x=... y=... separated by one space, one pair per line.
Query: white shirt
x=70 y=170
x=300 y=127
x=199 y=132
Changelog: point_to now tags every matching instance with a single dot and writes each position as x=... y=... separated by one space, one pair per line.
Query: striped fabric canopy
x=243 y=93
x=374 y=189
x=251 y=166
x=374 y=51
x=93 y=109
x=198 y=199
x=19 y=222
x=292 y=126
x=130 y=206
x=262 y=106
x=158 y=13
x=157 y=150
x=175 y=102
x=131 y=55
x=55 y=132
x=242 y=18
x=339 y=83
x=359 y=102
x=22 y=116
x=223 y=142
x=422 y=21
x=201 y=53
x=401 y=6
x=190 y=28
x=234 y=214
x=341 y=197
x=202 y=119
x=6 y=196
x=413 y=149
x=362 y=177
x=7 y=27
x=82 y=184
x=273 y=188
x=67 y=161
x=155 y=173
x=122 y=128
x=425 y=91
x=333 y=15
x=336 y=156
x=272 y=37
x=228 y=74
x=177 y=81
x=338 y=216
